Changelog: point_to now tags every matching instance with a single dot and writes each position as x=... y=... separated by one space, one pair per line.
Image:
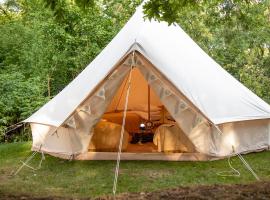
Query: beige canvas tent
x=197 y=110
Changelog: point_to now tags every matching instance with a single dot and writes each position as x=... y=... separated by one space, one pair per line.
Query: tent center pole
x=149 y=102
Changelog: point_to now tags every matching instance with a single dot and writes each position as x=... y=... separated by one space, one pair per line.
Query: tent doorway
x=148 y=124
x=149 y=127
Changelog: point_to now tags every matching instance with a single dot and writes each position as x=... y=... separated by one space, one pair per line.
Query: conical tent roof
x=218 y=95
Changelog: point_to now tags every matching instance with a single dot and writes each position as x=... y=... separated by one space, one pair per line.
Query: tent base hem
x=131 y=156
x=144 y=156
x=66 y=156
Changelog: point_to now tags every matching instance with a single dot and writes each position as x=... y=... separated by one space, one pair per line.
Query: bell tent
x=154 y=85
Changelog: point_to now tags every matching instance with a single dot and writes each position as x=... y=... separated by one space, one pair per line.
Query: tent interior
x=148 y=128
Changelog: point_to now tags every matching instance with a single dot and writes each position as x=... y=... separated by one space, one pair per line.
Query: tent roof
x=217 y=94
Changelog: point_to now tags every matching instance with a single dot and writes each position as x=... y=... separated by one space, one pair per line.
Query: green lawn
x=95 y=178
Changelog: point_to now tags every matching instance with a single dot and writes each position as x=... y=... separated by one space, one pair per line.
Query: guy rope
x=116 y=173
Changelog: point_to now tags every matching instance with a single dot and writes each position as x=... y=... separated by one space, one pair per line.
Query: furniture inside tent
x=191 y=107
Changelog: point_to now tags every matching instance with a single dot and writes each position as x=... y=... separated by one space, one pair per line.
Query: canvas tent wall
x=222 y=112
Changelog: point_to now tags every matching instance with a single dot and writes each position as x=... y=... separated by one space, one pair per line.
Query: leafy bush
x=20 y=97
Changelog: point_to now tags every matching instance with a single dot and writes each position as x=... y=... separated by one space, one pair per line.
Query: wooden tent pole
x=148 y=102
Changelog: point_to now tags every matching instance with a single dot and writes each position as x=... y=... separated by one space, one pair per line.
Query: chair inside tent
x=155 y=121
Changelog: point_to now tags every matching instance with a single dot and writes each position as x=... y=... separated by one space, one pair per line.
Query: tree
x=41 y=53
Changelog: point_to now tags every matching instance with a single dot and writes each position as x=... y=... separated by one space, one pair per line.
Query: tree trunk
x=49 y=85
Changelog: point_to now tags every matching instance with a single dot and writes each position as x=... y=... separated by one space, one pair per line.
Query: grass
x=80 y=179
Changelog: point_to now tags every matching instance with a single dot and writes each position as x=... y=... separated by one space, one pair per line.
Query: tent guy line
x=116 y=174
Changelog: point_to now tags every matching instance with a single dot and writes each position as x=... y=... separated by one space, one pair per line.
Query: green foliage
x=40 y=53
x=20 y=98
x=168 y=10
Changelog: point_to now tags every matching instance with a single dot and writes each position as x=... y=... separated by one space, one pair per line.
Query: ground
x=258 y=190
x=137 y=180
x=230 y=192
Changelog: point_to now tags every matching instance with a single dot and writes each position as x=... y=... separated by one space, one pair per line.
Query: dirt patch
x=258 y=190
x=5 y=174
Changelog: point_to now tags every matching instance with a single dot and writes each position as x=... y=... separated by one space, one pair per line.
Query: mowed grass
x=79 y=179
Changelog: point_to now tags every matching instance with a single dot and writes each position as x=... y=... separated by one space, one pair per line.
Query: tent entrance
x=164 y=137
x=95 y=126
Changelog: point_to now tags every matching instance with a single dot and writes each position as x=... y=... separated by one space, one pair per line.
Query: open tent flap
x=188 y=117
x=74 y=136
